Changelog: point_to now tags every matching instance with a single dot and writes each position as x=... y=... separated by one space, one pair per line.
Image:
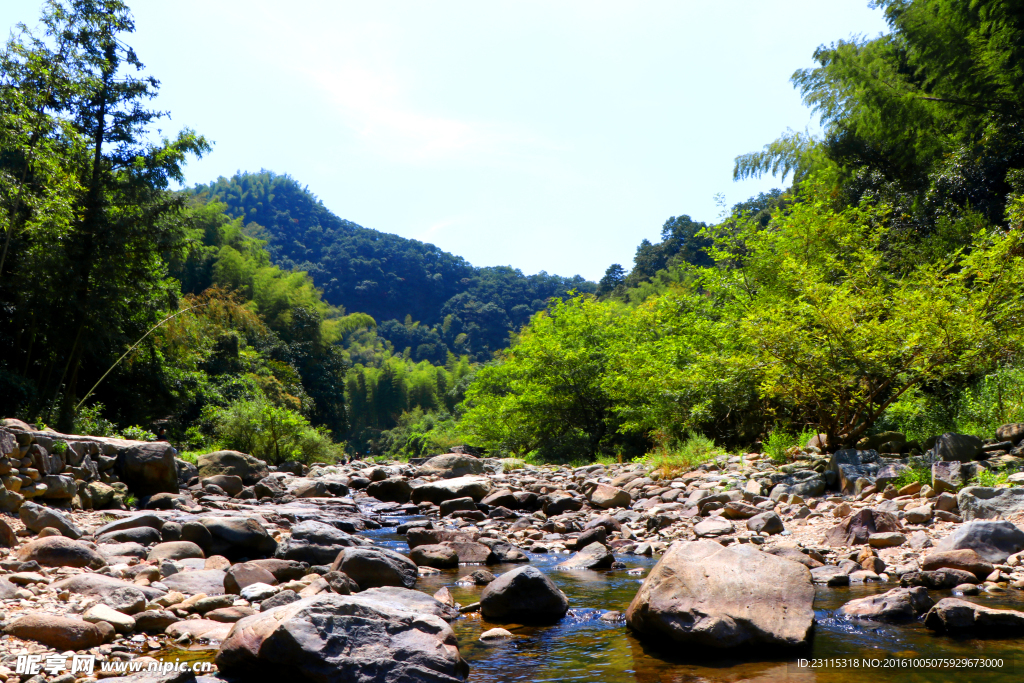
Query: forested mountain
x=424 y=299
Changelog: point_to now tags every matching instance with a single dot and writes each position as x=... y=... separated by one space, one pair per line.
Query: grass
x=192 y=456
x=696 y=449
x=779 y=441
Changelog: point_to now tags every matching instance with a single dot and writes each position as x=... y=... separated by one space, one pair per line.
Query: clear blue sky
x=546 y=135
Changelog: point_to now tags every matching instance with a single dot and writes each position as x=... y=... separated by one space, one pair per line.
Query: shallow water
x=581 y=648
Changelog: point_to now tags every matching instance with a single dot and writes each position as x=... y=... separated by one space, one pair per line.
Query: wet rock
x=38 y=517
x=315 y=542
x=248 y=468
x=525 y=596
x=495 y=635
x=437 y=556
x=447 y=489
x=61 y=633
x=724 y=597
x=376 y=567
x=471 y=552
x=831 y=575
x=979 y=502
x=593 y=556
x=960 y=616
x=58 y=551
x=858 y=527
x=899 y=604
x=315 y=638
x=940 y=579
x=993 y=541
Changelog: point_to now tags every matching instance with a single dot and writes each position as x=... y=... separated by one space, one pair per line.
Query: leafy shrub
x=59 y=447
x=137 y=433
x=911 y=475
x=273 y=433
x=89 y=420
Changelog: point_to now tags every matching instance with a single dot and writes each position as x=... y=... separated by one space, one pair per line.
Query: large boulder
x=250 y=469
x=58 y=551
x=958 y=447
x=434 y=555
x=60 y=633
x=145 y=519
x=315 y=542
x=330 y=637
x=411 y=601
x=38 y=517
x=451 y=465
x=899 y=604
x=448 y=489
x=525 y=596
x=59 y=487
x=235 y=537
x=703 y=593
x=390 y=490
x=604 y=497
x=960 y=616
x=1013 y=432
x=980 y=502
x=993 y=541
x=231 y=483
x=375 y=567
x=149 y=468
x=858 y=527
x=175 y=550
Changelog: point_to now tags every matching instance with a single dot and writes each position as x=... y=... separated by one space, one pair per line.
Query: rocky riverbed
x=466 y=568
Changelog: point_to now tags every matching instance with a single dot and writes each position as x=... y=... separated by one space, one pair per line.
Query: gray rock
x=525 y=596
x=940 y=579
x=175 y=550
x=58 y=551
x=250 y=469
x=139 y=520
x=993 y=541
x=766 y=523
x=231 y=483
x=850 y=464
x=59 y=487
x=376 y=567
x=101 y=586
x=447 y=489
x=434 y=555
x=411 y=601
x=979 y=502
x=593 y=556
x=149 y=468
x=899 y=604
x=724 y=597
x=143 y=535
x=61 y=633
x=713 y=527
x=127 y=600
x=315 y=542
x=235 y=537
x=452 y=465
x=391 y=490
x=858 y=527
x=959 y=447
x=316 y=638
x=285 y=597
x=209 y=581
x=1013 y=432
x=37 y=517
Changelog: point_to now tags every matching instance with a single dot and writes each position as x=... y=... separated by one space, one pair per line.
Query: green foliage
x=452 y=307
x=778 y=443
x=59 y=447
x=89 y=420
x=137 y=433
x=912 y=475
x=989 y=478
x=272 y=433
x=130 y=501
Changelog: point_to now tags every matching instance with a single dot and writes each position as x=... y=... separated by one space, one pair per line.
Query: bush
x=89 y=420
x=921 y=475
x=272 y=433
x=137 y=433
x=779 y=441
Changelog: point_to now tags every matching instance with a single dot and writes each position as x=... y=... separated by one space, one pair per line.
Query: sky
x=547 y=135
